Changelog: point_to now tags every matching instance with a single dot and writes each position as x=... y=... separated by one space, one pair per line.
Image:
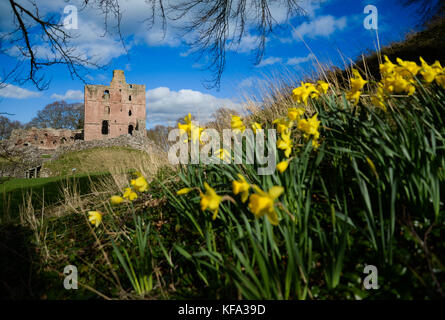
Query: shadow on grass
x=45 y=191
x=19 y=265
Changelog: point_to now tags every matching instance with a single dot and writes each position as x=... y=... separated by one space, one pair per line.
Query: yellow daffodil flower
x=357 y=83
x=223 y=154
x=398 y=84
x=210 y=200
x=285 y=143
x=379 y=99
x=408 y=69
x=315 y=143
x=282 y=166
x=262 y=203
x=241 y=186
x=256 y=126
x=188 y=118
x=140 y=184
x=116 y=200
x=183 y=191
x=310 y=126
x=192 y=131
x=322 y=86
x=283 y=125
x=130 y=194
x=354 y=96
x=302 y=93
x=440 y=80
x=295 y=113
x=428 y=72
x=237 y=124
x=388 y=67
x=95 y=217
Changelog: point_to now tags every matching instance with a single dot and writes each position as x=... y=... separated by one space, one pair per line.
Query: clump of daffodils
x=397 y=78
x=260 y=203
x=139 y=184
x=309 y=90
x=400 y=78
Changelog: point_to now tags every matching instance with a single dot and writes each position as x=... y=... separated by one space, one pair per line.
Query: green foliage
x=371 y=194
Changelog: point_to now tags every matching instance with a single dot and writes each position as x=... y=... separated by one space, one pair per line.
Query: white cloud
x=157 y=37
x=248 y=43
x=269 y=61
x=322 y=26
x=298 y=60
x=69 y=95
x=289 y=61
x=253 y=83
x=14 y=92
x=247 y=82
x=165 y=106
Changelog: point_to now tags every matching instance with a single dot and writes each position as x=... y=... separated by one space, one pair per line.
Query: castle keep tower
x=114 y=110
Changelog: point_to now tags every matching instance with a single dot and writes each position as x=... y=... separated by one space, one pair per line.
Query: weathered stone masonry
x=114 y=110
x=44 y=139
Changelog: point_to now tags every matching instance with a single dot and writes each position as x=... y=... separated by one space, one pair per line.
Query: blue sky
x=332 y=29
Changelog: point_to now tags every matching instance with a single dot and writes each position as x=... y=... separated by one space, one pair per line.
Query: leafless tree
x=159 y=135
x=31 y=29
x=59 y=115
x=6 y=127
x=218 y=23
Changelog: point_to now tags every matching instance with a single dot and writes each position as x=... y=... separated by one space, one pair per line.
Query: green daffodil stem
x=287 y=211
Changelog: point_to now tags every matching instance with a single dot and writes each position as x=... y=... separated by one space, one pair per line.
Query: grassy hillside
x=100 y=160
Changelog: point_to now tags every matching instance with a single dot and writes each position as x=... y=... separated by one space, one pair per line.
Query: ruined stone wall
x=44 y=139
x=23 y=159
x=114 y=110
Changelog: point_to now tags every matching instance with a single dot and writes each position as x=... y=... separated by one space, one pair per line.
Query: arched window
x=106 y=94
x=129 y=98
x=129 y=113
x=105 y=127
x=130 y=129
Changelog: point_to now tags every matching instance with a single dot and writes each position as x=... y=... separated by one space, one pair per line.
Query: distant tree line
x=56 y=115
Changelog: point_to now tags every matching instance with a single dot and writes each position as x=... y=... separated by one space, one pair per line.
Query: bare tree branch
x=214 y=26
x=51 y=33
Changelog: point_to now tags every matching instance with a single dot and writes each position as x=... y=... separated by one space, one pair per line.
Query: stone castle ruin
x=110 y=111
x=114 y=110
